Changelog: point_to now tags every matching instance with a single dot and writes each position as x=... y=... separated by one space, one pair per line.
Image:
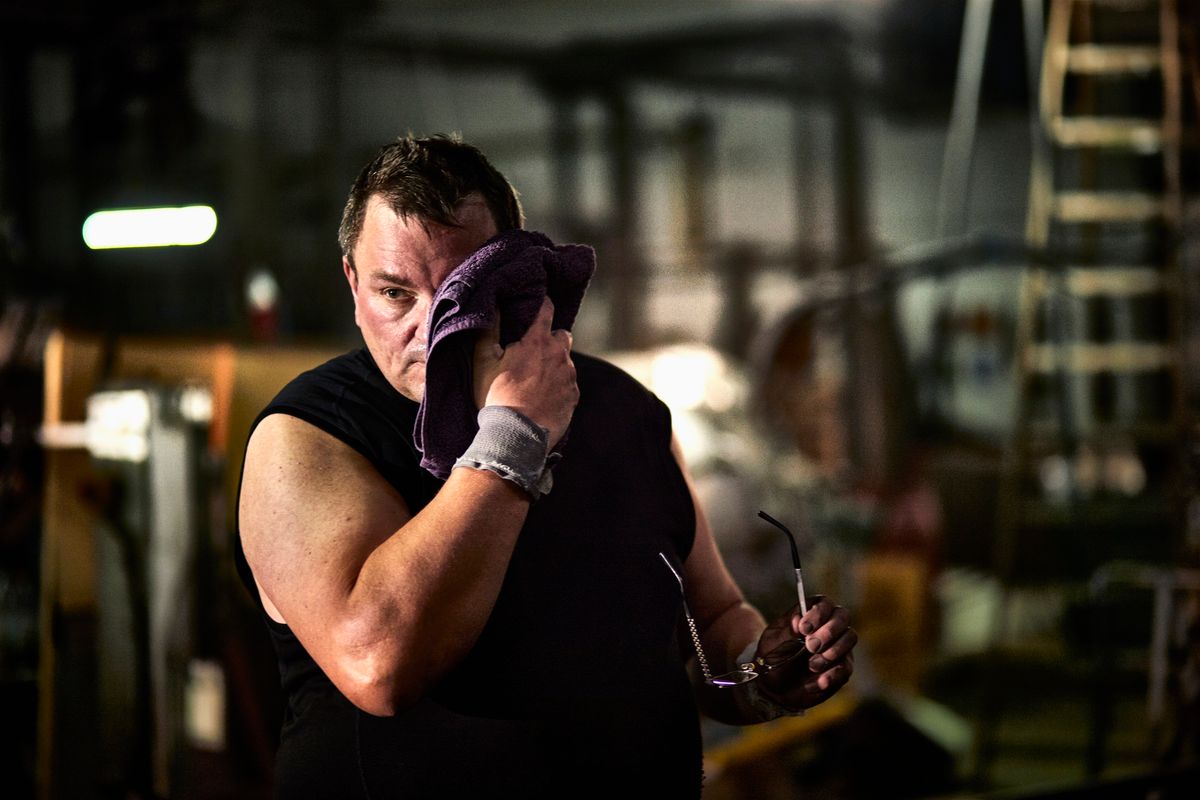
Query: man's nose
x=421 y=321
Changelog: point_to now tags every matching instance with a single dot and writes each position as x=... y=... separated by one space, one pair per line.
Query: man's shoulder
x=350 y=375
x=609 y=390
x=348 y=368
x=598 y=374
x=346 y=396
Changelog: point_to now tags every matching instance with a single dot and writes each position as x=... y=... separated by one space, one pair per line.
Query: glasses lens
x=777 y=657
x=784 y=653
x=734 y=678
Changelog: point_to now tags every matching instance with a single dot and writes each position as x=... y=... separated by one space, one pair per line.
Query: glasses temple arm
x=795 y=559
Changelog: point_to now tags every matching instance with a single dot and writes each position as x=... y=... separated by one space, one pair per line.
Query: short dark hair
x=427 y=178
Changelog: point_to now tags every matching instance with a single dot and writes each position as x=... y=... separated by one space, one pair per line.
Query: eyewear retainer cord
x=691 y=622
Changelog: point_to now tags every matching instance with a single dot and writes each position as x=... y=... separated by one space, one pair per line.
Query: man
x=463 y=635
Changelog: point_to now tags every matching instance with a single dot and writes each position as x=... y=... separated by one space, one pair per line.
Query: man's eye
x=395 y=294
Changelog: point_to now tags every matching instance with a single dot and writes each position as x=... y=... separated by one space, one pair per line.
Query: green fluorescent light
x=149 y=227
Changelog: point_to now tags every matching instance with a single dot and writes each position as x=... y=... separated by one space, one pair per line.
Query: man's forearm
x=422 y=597
x=724 y=640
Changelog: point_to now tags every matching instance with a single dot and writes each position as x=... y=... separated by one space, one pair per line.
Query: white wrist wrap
x=512 y=446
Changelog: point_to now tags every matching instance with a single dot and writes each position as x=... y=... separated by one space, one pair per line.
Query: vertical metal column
x=698 y=144
x=960 y=140
x=853 y=220
x=735 y=275
x=564 y=145
x=805 y=198
x=170 y=561
x=16 y=139
x=627 y=324
x=150 y=441
x=864 y=431
x=329 y=101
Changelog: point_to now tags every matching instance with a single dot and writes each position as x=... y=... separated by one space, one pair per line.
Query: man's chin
x=411 y=382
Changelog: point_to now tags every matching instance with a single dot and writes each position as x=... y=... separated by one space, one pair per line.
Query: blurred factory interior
x=920 y=277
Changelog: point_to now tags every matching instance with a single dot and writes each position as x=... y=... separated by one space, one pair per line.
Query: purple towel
x=508 y=277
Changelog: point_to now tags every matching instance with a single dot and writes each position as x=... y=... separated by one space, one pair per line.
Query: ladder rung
x=1126 y=5
x=1107 y=206
x=1142 y=135
x=1114 y=281
x=1093 y=358
x=1097 y=59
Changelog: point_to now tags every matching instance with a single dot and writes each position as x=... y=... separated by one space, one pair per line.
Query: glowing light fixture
x=149 y=227
x=691 y=377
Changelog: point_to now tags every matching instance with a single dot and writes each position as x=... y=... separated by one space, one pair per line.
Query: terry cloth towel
x=507 y=277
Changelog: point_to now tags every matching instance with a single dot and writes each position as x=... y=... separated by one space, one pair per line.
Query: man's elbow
x=381 y=693
x=376 y=680
x=378 y=701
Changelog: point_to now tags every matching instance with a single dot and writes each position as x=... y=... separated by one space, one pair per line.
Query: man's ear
x=352 y=279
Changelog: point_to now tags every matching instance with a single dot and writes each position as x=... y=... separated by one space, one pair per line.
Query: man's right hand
x=534 y=375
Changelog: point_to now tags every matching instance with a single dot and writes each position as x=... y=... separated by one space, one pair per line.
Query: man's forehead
x=408 y=247
x=391 y=276
x=470 y=211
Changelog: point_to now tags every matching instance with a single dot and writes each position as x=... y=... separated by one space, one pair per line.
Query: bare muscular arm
x=385 y=601
x=728 y=624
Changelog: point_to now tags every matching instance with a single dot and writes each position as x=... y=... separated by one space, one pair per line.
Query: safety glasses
x=763 y=664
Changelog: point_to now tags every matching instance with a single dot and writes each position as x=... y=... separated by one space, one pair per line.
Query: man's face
x=399 y=265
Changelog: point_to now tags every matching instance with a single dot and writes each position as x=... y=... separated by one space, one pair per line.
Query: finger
x=828 y=633
x=842 y=648
x=564 y=336
x=545 y=314
x=830 y=681
x=487 y=348
x=805 y=692
x=819 y=610
x=489 y=338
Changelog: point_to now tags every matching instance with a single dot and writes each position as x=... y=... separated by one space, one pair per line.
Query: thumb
x=488 y=343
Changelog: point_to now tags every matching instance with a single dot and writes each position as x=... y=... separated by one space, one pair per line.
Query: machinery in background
x=160 y=689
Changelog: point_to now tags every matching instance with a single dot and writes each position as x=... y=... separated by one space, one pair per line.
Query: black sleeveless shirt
x=576 y=686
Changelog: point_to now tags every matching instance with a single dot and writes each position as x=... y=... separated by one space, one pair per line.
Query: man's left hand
x=827 y=663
